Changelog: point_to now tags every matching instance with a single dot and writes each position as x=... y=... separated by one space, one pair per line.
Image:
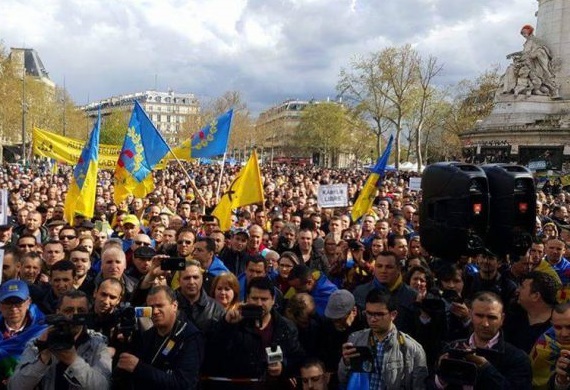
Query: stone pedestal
x=553 y=27
x=525 y=126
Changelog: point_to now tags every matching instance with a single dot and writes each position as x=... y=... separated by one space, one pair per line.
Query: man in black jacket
x=499 y=365
x=193 y=300
x=249 y=347
x=169 y=355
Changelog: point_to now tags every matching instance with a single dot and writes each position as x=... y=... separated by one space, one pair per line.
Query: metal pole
x=220 y=180
x=24 y=114
x=64 y=100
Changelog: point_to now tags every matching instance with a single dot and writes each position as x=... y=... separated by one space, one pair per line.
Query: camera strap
x=169 y=342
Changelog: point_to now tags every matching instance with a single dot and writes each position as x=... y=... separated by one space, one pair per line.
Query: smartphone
x=173 y=264
x=250 y=311
x=364 y=362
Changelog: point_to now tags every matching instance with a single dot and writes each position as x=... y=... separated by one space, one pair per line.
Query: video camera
x=125 y=316
x=61 y=337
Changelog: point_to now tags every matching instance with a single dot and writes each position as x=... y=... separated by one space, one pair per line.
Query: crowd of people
x=150 y=293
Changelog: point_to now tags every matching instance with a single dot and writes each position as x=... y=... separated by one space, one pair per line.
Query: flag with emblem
x=210 y=141
x=143 y=148
x=245 y=189
x=80 y=198
x=367 y=194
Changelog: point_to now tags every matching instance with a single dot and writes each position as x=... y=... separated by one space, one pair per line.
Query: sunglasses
x=142 y=243
x=67 y=237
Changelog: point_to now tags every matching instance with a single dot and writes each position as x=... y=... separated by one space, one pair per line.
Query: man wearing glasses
x=381 y=355
x=19 y=323
x=68 y=238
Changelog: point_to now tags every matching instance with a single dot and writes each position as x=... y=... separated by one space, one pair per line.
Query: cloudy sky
x=269 y=50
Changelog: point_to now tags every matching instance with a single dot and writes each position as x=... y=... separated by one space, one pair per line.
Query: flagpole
x=220 y=180
x=198 y=195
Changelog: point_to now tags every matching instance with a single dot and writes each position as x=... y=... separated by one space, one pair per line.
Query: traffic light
x=454 y=214
x=513 y=208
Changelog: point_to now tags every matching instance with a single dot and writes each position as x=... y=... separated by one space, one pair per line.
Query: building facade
x=279 y=124
x=173 y=114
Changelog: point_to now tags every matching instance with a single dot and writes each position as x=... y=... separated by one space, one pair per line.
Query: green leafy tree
x=324 y=129
x=114 y=127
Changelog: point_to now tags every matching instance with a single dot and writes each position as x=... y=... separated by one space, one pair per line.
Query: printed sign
x=333 y=195
x=415 y=183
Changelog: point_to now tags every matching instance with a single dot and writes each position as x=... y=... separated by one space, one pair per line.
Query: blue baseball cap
x=14 y=289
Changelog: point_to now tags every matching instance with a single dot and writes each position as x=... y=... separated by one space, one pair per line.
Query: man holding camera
x=67 y=354
x=485 y=358
x=381 y=355
x=254 y=342
x=168 y=355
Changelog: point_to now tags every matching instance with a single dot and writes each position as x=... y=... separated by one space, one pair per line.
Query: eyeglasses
x=142 y=243
x=184 y=242
x=11 y=304
x=67 y=237
x=376 y=314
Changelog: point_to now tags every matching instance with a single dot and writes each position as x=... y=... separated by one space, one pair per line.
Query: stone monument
x=530 y=122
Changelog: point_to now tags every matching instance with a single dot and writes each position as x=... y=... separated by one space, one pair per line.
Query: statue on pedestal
x=531 y=72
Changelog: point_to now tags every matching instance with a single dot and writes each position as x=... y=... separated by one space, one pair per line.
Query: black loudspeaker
x=513 y=208
x=454 y=214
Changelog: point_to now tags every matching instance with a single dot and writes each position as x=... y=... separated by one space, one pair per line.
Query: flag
x=80 y=197
x=212 y=140
x=245 y=189
x=368 y=192
x=143 y=148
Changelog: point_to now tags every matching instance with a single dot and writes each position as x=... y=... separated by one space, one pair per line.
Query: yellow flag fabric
x=366 y=198
x=246 y=189
x=364 y=202
x=80 y=198
x=67 y=150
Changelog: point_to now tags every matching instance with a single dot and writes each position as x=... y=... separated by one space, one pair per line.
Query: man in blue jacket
x=19 y=323
x=313 y=282
x=204 y=251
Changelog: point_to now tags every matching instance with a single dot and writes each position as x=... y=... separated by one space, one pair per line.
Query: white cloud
x=268 y=49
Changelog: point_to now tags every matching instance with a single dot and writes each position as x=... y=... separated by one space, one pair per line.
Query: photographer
x=168 y=355
x=394 y=360
x=67 y=354
x=486 y=361
x=254 y=342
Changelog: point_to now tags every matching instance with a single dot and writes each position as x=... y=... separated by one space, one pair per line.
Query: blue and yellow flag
x=364 y=202
x=80 y=198
x=211 y=141
x=245 y=189
x=143 y=148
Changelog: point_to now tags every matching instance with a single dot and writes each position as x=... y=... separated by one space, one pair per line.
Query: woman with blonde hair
x=225 y=290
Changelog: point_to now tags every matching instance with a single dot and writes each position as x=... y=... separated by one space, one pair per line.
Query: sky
x=268 y=50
